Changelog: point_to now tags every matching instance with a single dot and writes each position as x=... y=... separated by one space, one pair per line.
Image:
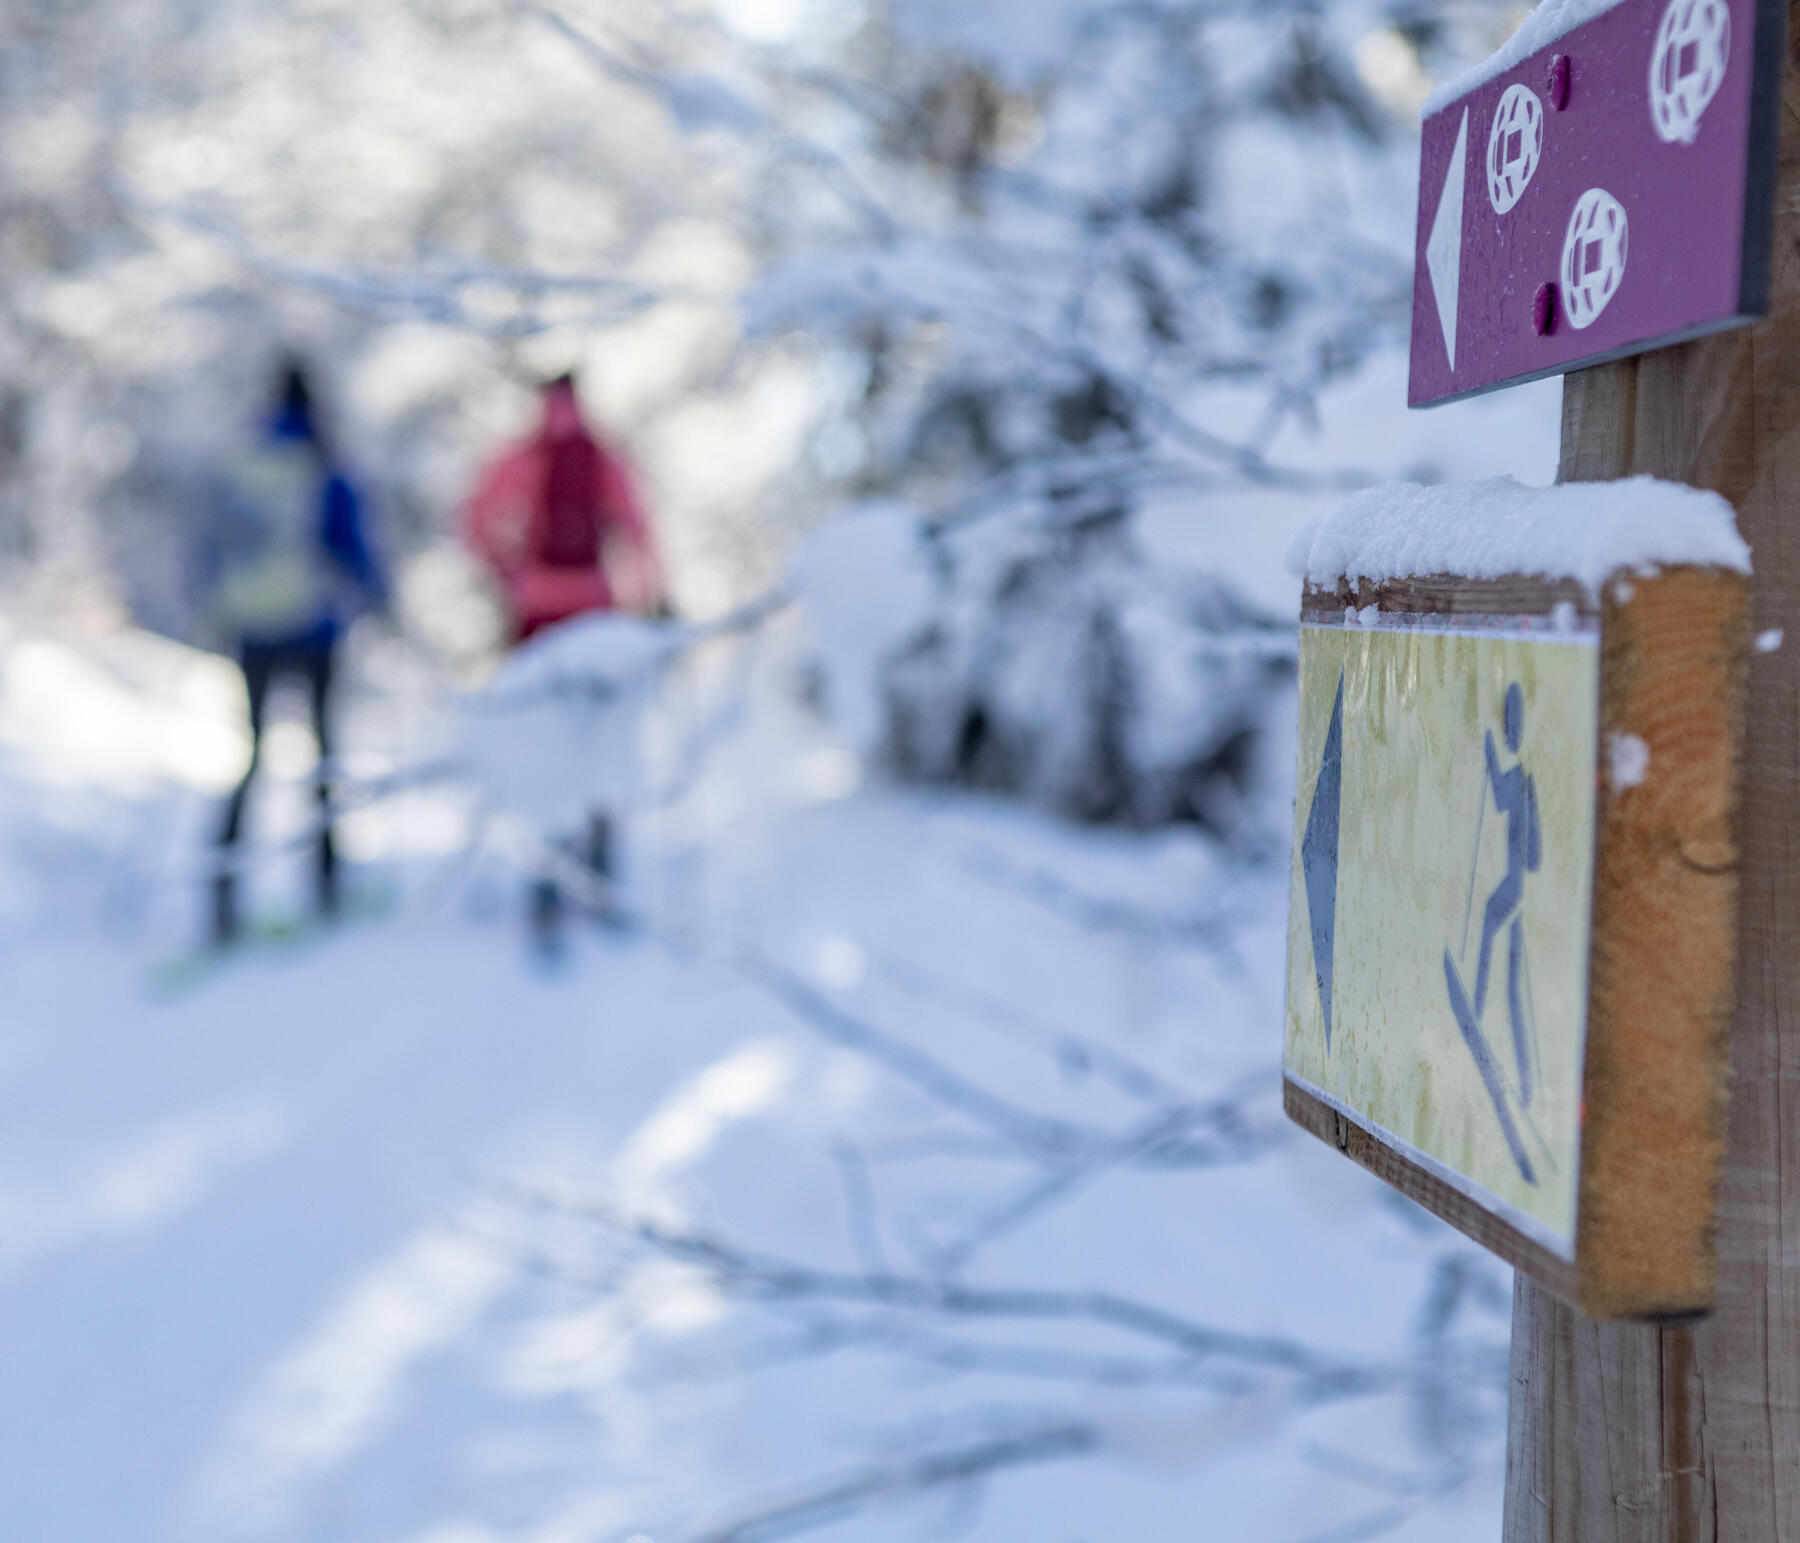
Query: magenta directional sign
x=1610 y=192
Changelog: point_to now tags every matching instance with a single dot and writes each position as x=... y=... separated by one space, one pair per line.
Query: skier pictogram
x=1514 y=794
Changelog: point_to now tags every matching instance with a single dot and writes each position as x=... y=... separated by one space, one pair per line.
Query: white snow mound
x=1486 y=530
x=864 y=582
x=557 y=735
x=1541 y=27
x=612 y=647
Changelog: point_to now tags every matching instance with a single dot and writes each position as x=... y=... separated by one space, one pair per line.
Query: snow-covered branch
x=1186 y=1134
x=917 y=1474
x=770 y=1280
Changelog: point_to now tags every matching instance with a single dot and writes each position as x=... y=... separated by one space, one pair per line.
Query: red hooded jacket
x=558 y=521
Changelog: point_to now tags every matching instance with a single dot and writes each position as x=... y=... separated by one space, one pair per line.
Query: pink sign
x=1610 y=193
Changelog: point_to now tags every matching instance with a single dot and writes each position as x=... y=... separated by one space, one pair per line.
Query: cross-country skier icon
x=1514 y=794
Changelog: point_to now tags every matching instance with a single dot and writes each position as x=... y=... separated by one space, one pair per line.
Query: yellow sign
x=1442 y=892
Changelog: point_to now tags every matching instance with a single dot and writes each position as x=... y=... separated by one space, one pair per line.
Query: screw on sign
x=1543 y=309
x=1559 y=81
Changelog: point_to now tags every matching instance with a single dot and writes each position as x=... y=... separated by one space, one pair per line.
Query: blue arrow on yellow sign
x=1319 y=854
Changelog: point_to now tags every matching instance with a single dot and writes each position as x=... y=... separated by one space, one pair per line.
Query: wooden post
x=1646 y=1434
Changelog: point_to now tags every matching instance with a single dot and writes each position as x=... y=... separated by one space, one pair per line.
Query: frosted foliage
x=436 y=203
x=1018 y=38
x=1103 y=258
x=1087 y=255
x=1060 y=665
x=1575 y=530
x=866 y=588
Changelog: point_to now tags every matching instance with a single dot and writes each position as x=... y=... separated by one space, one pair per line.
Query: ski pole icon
x=1514 y=793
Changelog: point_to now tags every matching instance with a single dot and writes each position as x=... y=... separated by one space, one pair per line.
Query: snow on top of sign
x=1541 y=28
x=1487 y=530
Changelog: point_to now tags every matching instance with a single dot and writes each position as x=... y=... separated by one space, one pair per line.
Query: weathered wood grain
x=1635 y=1434
x=1672 y=653
x=1445 y=594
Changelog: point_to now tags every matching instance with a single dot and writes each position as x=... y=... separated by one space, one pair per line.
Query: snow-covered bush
x=1099 y=257
x=1066 y=669
x=1052 y=660
x=556 y=737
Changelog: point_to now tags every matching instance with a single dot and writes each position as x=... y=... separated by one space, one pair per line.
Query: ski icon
x=1467 y=1021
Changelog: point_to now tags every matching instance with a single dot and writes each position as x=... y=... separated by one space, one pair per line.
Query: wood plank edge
x=1447 y=1204
x=1443 y=594
x=1640 y=1256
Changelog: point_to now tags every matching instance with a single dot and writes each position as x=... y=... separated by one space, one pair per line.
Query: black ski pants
x=262 y=664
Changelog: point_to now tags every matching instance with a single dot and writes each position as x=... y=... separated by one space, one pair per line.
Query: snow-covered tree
x=1067 y=273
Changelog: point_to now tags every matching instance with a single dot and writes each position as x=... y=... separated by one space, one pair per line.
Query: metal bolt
x=1559 y=81
x=1543 y=310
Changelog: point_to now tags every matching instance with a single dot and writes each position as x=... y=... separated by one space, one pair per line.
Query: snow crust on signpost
x=1542 y=27
x=1488 y=530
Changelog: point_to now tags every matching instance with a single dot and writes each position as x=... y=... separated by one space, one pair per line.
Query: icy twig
x=917 y=1474
x=1077 y=1054
x=768 y=1279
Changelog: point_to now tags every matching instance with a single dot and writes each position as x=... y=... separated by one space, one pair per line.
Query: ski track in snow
x=263 y=1274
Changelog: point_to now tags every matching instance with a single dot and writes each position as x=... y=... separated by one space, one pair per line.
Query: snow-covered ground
x=388 y=1233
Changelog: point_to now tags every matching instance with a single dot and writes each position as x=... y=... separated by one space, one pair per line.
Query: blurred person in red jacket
x=558 y=521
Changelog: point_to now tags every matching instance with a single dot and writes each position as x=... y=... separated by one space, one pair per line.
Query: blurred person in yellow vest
x=286 y=567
